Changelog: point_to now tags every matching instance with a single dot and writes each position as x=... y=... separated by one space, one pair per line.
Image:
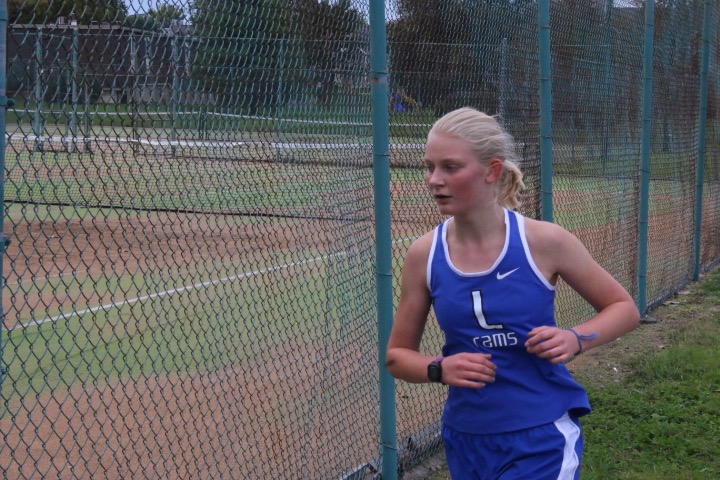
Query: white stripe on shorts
x=571 y=432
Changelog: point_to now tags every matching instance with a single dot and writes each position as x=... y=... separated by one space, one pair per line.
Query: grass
x=138 y=181
x=202 y=328
x=662 y=420
x=351 y=118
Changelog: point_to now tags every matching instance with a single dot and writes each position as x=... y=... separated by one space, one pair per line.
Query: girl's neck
x=483 y=224
x=475 y=243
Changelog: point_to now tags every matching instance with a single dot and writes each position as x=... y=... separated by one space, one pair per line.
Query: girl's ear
x=495 y=170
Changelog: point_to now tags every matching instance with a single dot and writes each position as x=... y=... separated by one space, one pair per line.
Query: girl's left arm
x=563 y=253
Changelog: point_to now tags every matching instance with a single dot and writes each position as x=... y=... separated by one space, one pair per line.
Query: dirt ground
x=612 y=362
x=188 y=424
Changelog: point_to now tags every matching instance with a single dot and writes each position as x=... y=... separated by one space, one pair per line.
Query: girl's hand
x=471 y=370
x=554 y=344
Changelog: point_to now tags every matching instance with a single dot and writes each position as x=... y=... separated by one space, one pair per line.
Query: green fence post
x=38 y=126
x=279 y=100
x=504 y=90
x=608 y=90
x=175 y=91
x=4 y=103
x=645 y=156
x=702 y=134
x=546 y=142
x=383 y=237
x=74 y=72
x=133 y=96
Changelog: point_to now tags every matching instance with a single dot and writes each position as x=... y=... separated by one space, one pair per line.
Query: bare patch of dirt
x=259 y=418
x=612 y=362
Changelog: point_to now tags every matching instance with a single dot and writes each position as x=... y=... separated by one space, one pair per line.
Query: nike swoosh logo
x=500 y=276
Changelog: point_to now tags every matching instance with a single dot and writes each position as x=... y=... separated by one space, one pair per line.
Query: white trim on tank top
x=528 y=255
x=521 y=229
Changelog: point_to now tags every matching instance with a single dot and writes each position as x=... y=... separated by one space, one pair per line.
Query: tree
x=450 y=53
x=155 y=19
x=250 y=50
x=330 y=33
x=238 y=52
x=48 y=11
x=166 y=13
x=428 y=50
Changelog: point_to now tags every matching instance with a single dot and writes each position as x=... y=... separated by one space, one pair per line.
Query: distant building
x=106 y=62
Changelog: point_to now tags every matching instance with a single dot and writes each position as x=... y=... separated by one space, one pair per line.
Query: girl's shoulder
x=540 y=227
x=415 y=264
x=420 y=248
x=546 y=237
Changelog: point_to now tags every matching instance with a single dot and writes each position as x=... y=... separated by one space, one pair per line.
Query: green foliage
x=155 y=18
x=239 y=50
x=422 y=40
x=661 y=422
x=255 y=54
x=711 y=289
x=166 y=13
x=443 y=51
x=331 y=33
x=48 y=11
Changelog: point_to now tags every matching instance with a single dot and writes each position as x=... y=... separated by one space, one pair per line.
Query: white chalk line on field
x=150 y=115
x=165 y=142
x=165 y=293
x=173 y=291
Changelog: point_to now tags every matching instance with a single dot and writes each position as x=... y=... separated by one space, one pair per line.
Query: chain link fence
x=189 y=290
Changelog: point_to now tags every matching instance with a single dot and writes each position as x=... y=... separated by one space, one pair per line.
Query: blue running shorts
x=548 y=452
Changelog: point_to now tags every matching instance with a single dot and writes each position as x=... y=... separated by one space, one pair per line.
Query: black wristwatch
x=434 y=370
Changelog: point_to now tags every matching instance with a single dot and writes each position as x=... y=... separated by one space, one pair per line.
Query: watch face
x=434 y=372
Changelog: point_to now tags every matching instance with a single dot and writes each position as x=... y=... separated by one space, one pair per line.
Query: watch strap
x=435 y=370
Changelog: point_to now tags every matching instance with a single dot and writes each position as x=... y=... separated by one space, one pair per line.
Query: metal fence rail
x=190 y=196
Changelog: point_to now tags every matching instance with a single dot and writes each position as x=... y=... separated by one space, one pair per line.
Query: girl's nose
x=433 y=178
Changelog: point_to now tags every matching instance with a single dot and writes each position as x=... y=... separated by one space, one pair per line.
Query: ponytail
x=511 y=184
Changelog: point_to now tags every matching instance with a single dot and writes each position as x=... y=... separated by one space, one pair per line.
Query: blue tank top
x=493 y=312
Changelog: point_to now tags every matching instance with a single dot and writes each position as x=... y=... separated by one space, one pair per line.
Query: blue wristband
x=580 y=338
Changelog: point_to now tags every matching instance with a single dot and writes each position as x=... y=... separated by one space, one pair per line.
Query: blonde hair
x=488 y=140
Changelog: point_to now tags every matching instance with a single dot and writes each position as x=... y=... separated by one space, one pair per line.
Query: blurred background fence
x=190 y=206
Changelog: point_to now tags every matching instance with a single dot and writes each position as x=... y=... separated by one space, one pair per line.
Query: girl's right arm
x=404 y=360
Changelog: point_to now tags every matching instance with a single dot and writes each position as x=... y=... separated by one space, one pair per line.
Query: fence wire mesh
x=189 y=291
x=710 y=226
